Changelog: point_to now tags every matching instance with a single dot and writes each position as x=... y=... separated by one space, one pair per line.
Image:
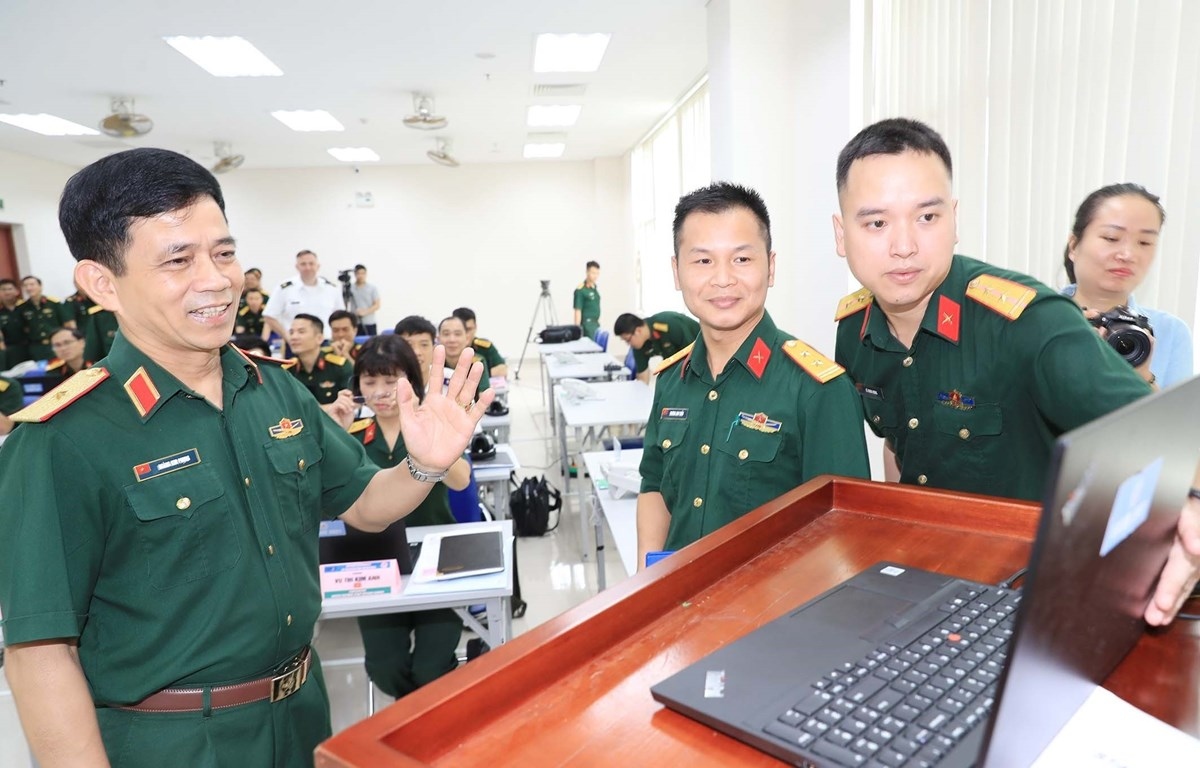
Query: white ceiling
x=358 y=59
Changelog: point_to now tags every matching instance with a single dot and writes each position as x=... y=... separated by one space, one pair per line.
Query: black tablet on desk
x=470 y=554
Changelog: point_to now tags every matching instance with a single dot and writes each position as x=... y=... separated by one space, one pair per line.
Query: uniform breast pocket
x=671 y=440
x=296 y=462
x=184 y=527
x=882 y=415
x=748 y=458
x=970 y=434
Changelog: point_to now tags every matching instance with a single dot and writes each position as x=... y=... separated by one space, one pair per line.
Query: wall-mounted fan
x=441 y=154
x=226 y=159
x=424 y=119
x=124 y=123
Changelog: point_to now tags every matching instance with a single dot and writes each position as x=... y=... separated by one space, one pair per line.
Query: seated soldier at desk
x=483 y=347
x=420 y=335
x=69 y=345
x=452 y=334
x=663 y=334
x=250 y=315
x=343 y=326
x=325 y=374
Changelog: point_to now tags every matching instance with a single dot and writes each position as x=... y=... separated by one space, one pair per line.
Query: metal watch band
x=422 y=475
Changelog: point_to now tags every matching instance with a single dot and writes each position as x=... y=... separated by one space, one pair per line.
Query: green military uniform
x=329 y=375
x=57 y=367
x=99 y=328
x=328 y=349
x=669 y=333
x=182 y=553
x=250 y=322
x=404 y=651
x=12 y=396
x=36 y=320
x=587 y=301
x=487 y=350
x=484 y=379
x=1000 y=367
x=242 y=300
x=778 y=415
x=77 y=305
x=8 y=353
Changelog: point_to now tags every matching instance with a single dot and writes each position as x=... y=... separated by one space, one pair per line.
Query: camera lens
x=1131 y=344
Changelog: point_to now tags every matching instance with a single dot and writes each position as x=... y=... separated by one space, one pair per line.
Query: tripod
x=544 y=305
x=349 y=302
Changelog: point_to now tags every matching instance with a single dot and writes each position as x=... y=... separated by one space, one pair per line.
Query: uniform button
x=906 y=361
x=301 y=465
x=922 y=479
x=246 y=480
x=696 y=502
x=964 y=433
x=875 y=419
x=704 y=449
x=183 y=503
x=270 y=549
x=913 y=423
x=712 y=394
x=666 y=443
x=743 y=454
x=289 y=619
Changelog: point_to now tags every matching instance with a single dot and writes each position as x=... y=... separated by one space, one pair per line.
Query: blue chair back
x=602 y=339
x=629 y=363
x=464 y=504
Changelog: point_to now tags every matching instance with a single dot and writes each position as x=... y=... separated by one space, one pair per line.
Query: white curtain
x=1043 y=101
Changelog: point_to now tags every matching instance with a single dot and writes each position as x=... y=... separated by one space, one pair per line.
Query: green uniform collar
x=765 y=332
x=945 y=300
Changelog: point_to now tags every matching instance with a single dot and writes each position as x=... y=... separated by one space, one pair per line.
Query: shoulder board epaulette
x=813 y=362
x=61 y=396
x=267 y=358
x=855 y=302
x=4 y=385
x=243 y=311
x=482 y=342
x=21 y=303
x=51 y=298
x=94 y=309
x=335 y=359
x=288 y=284
x=360 y=425
x=1004 y=297
x=662 y=327
x=581 y=285
x=55 y=364
x=675 y=358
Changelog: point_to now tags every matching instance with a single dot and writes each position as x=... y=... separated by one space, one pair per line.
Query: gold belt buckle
x=289 y=682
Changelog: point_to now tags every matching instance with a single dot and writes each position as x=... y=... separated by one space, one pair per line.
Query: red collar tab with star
x=760 y=355
x=949 y=314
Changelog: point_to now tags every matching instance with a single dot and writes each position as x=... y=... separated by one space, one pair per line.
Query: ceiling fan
x=441 y=155
x=226 y=159
x=424 y=119
x=124 y=123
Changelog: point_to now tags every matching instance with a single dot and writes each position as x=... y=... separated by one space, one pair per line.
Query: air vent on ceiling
x=559 y=91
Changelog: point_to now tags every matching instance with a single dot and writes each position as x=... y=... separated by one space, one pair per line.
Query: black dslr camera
x=1128 y=333
x=344 y=276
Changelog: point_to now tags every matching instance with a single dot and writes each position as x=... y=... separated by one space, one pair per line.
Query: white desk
x=585 y=366
x=496 y=426
x=615 y=403
x=620 y=514
x=579 y=346
x=494 y=474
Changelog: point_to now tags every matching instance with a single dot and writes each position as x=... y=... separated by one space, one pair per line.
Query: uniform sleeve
x=834 y=442
x=53 y=536
x=651 y=468
x=641 y=359
x=578 y=299
x=12 y=399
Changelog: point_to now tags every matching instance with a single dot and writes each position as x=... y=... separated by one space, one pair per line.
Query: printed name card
x=372 y=577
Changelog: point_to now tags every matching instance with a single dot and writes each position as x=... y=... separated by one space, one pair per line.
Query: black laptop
x=341 y=543
x=903 y=667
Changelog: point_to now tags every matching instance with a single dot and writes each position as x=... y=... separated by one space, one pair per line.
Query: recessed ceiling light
x=308 y=120
x=48 y=125
x=569 y=53
x=225 y=56
x=553 y=115
x=354 y=154
x=544 y=150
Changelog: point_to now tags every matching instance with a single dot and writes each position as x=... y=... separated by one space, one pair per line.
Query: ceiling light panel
x=537 y=151
x=308 y=120
x=569 y=53
x=553 y=115
x=225 y=56
x=48 y=125
x=354 y=154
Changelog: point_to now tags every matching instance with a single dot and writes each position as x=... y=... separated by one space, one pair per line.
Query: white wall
x=30 y=189
x=438 y=238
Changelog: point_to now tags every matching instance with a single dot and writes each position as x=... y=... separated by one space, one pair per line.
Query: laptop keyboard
x=908 y=702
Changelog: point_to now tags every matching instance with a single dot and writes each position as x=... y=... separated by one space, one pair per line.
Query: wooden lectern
x=576 y=690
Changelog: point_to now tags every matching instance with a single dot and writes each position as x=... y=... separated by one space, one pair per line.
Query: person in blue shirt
x=1111 y=249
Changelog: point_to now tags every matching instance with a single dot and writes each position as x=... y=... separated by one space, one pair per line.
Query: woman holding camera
x=1110 y=250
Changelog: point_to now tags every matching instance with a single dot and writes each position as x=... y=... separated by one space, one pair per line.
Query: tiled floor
x=553 y=578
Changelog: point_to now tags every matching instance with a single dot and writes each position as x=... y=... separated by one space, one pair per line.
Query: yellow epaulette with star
x=675 y=358
x=360 y=425
x=855 y=302
x=1004 y=297
x=335 y=359
x=813 y=362
x=482 y=343
x=4 y=385
x=61 y=396
x=243 y=311
x=94 y=309
x=662 y=327
x=51 y=298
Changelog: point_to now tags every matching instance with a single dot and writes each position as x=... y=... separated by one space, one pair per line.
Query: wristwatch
x=422 y=475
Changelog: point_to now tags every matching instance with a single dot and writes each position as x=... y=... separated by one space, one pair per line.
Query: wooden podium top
x=576 y=690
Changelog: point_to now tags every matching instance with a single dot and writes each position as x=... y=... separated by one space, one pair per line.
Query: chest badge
x=286 y=428
x=956 y=400
x=759 y=422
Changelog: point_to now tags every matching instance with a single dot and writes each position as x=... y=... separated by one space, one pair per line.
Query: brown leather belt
x=279 y=686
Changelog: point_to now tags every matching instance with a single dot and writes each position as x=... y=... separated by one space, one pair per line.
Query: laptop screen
x=340 y=543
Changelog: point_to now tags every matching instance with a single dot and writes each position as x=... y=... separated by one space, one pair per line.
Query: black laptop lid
x=340 y=543
x=1111 y=507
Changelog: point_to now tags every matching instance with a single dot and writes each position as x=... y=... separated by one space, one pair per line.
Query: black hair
x=100 y=202
x=342 y=314
x=250 y=341
x=8 y=281
x=249 y=291
x=312 y=319
x=719 y=198
x=893 y=136
x=358 y=267
x=1091 y=203
x=76 y=334
x=444 y=320
x=255 y=270
x=31 y=277
x=595 y=264
x=627 y=323
x=464 y=314
x=415 y=325
x=388 y=355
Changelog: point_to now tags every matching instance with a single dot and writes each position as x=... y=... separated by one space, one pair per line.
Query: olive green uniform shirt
x=8 y=355
x=485 y=379
x=587 y=301
x=330 y=374
x=487 y=350
x=12 y=396
x=717 y=449
x=977 y=402
x=35 y=321
x=250 y=322
x=242 y=300
x=178 y=543
x=669 y=333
